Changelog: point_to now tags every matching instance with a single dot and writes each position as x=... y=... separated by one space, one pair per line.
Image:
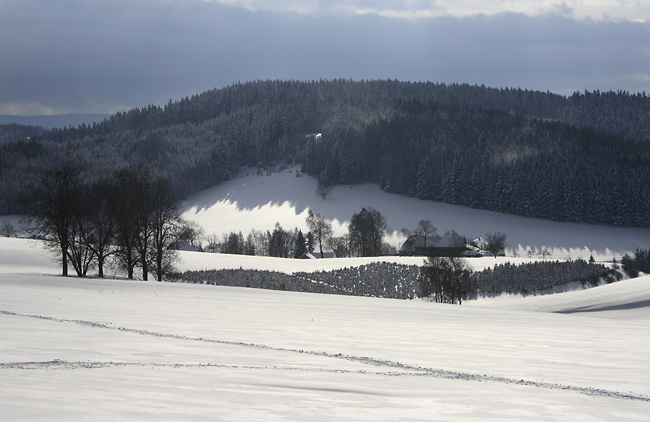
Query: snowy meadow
x=257 y=202
x=111 y=349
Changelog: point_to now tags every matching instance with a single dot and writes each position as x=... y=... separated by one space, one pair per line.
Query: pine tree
x=324 y=187
x=300 y=247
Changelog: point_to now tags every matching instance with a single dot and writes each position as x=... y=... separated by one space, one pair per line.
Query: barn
x=419 y=245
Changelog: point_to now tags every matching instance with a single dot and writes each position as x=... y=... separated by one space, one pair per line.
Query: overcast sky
x=102 y=56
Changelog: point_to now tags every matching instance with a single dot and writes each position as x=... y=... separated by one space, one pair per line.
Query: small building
x=316 y=255
x=418 y=245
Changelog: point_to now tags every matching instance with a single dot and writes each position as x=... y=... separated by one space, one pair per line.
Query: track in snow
x=398 y=369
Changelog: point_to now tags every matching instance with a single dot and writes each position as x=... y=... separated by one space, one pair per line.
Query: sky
x=104 y=56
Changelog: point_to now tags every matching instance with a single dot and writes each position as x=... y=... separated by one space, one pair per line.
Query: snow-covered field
x=74 y=349
x=258 y=202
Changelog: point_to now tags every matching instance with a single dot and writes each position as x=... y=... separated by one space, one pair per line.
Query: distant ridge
x=54 y=121
x=581 y=159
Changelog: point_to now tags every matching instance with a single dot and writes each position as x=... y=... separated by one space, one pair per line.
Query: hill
x=583 y=158
x=625 y=300
x=54 y=121
x=88 y=348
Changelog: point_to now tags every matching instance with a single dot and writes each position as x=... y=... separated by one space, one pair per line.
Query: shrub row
x=396 y=281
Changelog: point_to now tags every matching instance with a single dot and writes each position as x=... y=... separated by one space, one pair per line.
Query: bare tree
x=261 y=241
x=425 y=228
x=123 y=204
x=143 y=214
x=446 y=280
x=213 y=243
x=191 y=232
x=99 y=230
x=341 y=245
x=7 y=229
x=147 y=220
x=52 y=206
x=166 y=221
x=320 y=228
x=496 y=243
x=80 y=253
x=367 y=230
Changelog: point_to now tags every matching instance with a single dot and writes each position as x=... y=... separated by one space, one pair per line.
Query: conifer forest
x=582 y=158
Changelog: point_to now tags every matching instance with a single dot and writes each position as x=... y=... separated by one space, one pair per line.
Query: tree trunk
x=129 y=264
x=64 y=254
x=159 y=259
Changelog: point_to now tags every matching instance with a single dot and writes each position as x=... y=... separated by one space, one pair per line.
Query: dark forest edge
x=441 y=280
x=583 y=158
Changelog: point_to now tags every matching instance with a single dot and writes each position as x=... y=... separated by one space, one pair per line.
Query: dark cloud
x=104 y=55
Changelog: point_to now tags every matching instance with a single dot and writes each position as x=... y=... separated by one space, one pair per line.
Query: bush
x=378 y=279
x=7 y=230
x=640 y=263
x=539 y=276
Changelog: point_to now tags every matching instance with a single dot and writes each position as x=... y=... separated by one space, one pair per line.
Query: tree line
x=377 y=279
x=131 y=217
x=440 y=280
x=538 y=276
x=450 y=279
x=365 y=237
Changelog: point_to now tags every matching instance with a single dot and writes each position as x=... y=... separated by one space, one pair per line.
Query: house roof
x=418 y=241
x=316 y=255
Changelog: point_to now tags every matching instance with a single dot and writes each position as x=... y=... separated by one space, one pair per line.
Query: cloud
x=580 y=9
x=110 y=55
x=28 y=109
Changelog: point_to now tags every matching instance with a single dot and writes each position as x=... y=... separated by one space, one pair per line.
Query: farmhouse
x=418 y=245
x=316 y=255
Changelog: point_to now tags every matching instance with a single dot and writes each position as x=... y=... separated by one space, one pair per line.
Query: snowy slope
x=73 y=349
x=258 y=202
x=627 y=299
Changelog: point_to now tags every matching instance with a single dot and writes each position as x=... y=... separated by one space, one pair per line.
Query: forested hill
x=584 y=158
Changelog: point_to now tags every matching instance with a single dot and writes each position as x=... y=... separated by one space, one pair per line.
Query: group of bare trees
x=367 y=230
x=446 y=279
x=131 y=216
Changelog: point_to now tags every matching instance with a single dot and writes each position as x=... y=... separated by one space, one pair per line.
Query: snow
x=208 y=261
x=257 y=202
x=627 y=300
x=112 y=349
x=101 y=349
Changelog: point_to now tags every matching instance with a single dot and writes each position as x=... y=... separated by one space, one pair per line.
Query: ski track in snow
x=399 y=368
